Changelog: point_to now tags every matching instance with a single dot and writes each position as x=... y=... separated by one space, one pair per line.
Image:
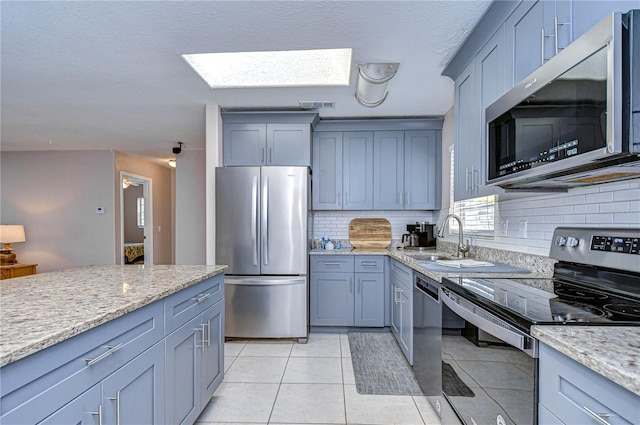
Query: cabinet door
x=213 y=353
x=83 y=410
x=327 y=171
x=289 y=144
x=388 y=170
x=134 y=394
x=467 y=132
x=183 y=356
x=525 y=40
x=244 y=144
x=586 y=14
x=369 y=299
x=331 y=299
x=396 y=312
x=405 y=300
x=357 y=161
x=422 y=170
x=490 y=85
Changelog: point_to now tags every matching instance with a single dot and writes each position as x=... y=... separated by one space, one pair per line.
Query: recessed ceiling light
x=292 y=68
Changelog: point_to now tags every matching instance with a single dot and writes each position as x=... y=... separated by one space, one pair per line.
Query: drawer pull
x=597 y=416
x=99 y=414
x=201 y=297
x=369 y=264
x=331 y=264
x=111 y=350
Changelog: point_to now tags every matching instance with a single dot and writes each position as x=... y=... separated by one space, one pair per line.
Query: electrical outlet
x=522 y=233
x=99 y=210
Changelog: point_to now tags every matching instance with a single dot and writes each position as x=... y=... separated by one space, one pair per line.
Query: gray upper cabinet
x=593 y=12
x=396 y=165
x=467 y=115
x=357 y=172
x=343 y=170
x=253 y=139
x=407 y=169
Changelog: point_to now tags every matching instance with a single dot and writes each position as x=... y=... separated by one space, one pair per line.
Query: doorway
x=136 y=219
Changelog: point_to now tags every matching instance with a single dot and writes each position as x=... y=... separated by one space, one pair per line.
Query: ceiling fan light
x=373 y=79
x=172 y=163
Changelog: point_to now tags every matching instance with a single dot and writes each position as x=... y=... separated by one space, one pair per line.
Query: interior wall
x=213 y=145
x=161 y=197
x=190 y=214
x=54 y=194
x=132 y=233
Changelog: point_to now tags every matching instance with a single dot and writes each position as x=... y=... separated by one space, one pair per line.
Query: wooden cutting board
x=370 y=233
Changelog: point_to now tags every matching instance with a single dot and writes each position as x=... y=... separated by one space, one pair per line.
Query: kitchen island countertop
x=611 y=351
x=41 y=310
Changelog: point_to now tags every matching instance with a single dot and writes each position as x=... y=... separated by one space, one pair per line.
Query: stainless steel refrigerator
x=261 y=234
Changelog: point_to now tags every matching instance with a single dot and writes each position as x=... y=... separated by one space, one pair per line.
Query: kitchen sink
x=423 y=256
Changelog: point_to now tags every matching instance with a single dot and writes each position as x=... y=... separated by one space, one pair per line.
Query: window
x=477 y=215
x=140 y=212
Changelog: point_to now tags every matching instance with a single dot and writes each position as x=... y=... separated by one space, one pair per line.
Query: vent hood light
x=325 y=67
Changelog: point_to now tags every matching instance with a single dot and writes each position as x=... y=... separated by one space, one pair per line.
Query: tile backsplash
x=335 y=224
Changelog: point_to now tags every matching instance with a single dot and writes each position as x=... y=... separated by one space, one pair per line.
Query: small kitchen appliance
x=596 y=282
x=421 y=235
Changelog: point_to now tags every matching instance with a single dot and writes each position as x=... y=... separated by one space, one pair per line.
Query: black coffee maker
x=421 y=235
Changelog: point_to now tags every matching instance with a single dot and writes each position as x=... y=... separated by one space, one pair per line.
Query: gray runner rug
x=379 y=365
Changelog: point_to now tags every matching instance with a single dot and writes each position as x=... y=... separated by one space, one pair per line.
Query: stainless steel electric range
x=486 y=322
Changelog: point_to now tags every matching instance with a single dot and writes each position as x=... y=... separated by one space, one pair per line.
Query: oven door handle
x=486 y=321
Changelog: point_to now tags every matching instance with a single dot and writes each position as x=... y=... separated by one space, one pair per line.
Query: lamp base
x=7 y=258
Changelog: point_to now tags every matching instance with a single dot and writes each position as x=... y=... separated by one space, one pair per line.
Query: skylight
x=293 y=68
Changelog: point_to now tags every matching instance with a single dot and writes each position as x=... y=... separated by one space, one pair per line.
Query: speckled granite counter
x=41 y=310
x=540 y=267
x=612 y=351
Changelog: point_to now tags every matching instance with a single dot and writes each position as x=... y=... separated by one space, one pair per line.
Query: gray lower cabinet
x=120 y=371
x=402 y=307
x=571 y=393
x=347 y=290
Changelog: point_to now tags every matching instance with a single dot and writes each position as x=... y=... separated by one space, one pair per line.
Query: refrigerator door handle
x=254 y=218
x=265 y=220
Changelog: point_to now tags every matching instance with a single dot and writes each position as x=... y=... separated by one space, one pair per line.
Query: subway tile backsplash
x=610 y=205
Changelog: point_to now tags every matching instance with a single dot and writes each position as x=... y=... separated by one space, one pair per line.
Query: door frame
x=148 y=216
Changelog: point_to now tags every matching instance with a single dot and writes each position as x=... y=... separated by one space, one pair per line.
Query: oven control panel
x=600 y=247
x=625 y=245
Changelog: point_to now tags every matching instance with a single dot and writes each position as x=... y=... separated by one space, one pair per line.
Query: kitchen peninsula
x=105 y=341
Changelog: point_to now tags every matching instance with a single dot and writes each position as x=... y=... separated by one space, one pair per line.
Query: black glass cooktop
x=521 y=303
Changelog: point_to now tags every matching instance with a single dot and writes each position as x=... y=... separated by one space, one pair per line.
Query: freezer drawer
x=266 y=307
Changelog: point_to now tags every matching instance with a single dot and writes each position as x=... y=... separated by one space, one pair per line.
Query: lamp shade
x=12 y=233
x=372 y=82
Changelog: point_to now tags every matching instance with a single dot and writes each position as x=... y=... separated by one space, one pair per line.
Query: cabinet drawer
x=401 y=274
x=183 y=306
x=36 y=386
x=569 y=390
x=369 y=264
x=331 y=263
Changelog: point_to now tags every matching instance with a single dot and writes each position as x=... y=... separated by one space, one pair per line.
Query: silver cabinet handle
x=346 y=199
x=264 y=158
x=208 y=339
x=408 y=202
x=201 y=329
x=201 y=297
x=339 y=199
x=254 y=218
x=597 y=416
x=368 y=264
x=475 y=181
x=466 y=179
x=397 y=300
x=110 y=350
x=331 y=264
x=117 y=399
x=401 y=198
x=99 y=413
x=270 y=155
x=542 y=48
x=265 y=220
x=555 y=26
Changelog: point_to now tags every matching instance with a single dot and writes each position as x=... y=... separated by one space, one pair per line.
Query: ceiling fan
x=131 y=181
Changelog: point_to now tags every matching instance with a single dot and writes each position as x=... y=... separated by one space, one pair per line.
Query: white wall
x=190 y=216
x=54 y=195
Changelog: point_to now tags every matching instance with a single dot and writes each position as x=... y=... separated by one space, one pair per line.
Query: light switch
x=99 y=210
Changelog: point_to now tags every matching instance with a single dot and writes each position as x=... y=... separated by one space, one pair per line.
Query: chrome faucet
x=463 y=248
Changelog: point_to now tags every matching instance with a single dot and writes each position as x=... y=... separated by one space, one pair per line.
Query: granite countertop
x=611 y=351
x=537 y=269
x=41 y=310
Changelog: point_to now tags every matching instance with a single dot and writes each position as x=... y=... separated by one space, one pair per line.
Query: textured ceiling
x=108 y=75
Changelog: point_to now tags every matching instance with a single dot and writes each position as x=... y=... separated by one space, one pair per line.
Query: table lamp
x=10 y=233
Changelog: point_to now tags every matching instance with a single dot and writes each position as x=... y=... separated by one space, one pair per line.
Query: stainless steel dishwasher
x=427 y=335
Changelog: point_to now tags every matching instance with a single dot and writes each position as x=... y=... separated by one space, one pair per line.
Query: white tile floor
x=283 y=382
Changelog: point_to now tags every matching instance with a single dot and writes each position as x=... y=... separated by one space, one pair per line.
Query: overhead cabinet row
x=512 y=40
x=376 y=170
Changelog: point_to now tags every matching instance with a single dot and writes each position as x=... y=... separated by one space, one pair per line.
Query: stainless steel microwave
x=576 y=120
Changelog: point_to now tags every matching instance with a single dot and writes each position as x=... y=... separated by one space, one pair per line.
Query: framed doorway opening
x=136 y=219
